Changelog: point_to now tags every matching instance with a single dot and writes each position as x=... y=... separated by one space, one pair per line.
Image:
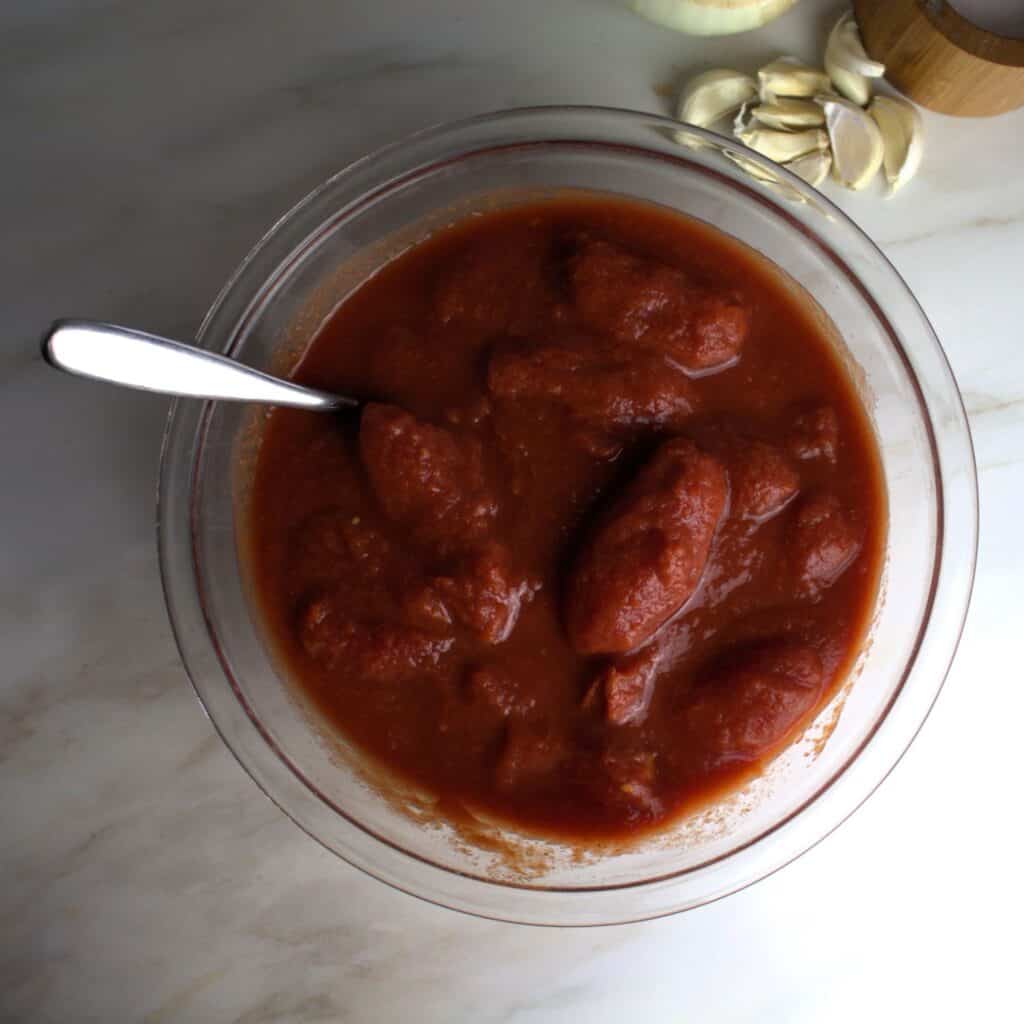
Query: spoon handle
x=135 y=359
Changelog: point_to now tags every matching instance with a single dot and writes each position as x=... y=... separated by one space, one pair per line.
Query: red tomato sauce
x=606 y=534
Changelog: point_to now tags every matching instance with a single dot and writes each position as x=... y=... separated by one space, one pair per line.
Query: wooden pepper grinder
x=940 y=59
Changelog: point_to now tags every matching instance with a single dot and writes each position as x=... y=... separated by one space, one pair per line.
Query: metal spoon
x=135 y=359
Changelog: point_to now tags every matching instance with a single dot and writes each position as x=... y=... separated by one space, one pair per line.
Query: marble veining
x=145 y=877
x=977 y=224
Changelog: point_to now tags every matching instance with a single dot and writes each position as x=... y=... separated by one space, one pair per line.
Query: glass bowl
x=266 y=315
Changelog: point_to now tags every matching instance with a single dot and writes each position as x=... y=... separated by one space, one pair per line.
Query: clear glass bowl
x=323 y=248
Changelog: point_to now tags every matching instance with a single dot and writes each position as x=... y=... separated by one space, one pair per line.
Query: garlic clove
x=753 y=169
x=692 y=140
x=812 y=167
x=789 y=113
x=714 y=95
x=767 y=177
x=789 y=77
x=711 y=17
x=856 y=140
x=783 y=146
x=848 y=49
x=744 y=117
x=902 y=139
x=847 y=62
x=854 y=87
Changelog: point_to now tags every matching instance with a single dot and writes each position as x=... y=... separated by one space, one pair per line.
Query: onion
x=711 y=17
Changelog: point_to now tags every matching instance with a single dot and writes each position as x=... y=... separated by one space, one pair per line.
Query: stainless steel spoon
x=135 y=359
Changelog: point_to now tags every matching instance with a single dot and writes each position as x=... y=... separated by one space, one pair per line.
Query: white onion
x=711 y=17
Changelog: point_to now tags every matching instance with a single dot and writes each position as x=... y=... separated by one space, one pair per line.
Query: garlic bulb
x=848 y=64
x=856 y=140
x=900 y=125
x=711 y=17
x=789 y=77
x=714 y=95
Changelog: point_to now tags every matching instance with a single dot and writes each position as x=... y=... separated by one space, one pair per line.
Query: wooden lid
x=941 y=60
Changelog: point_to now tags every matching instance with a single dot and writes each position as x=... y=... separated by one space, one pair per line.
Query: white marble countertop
x=147 y=146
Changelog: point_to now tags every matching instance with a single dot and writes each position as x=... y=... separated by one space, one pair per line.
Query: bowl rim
x=434 y=133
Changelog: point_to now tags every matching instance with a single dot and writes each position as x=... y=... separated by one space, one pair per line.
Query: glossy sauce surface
x=606 y=534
